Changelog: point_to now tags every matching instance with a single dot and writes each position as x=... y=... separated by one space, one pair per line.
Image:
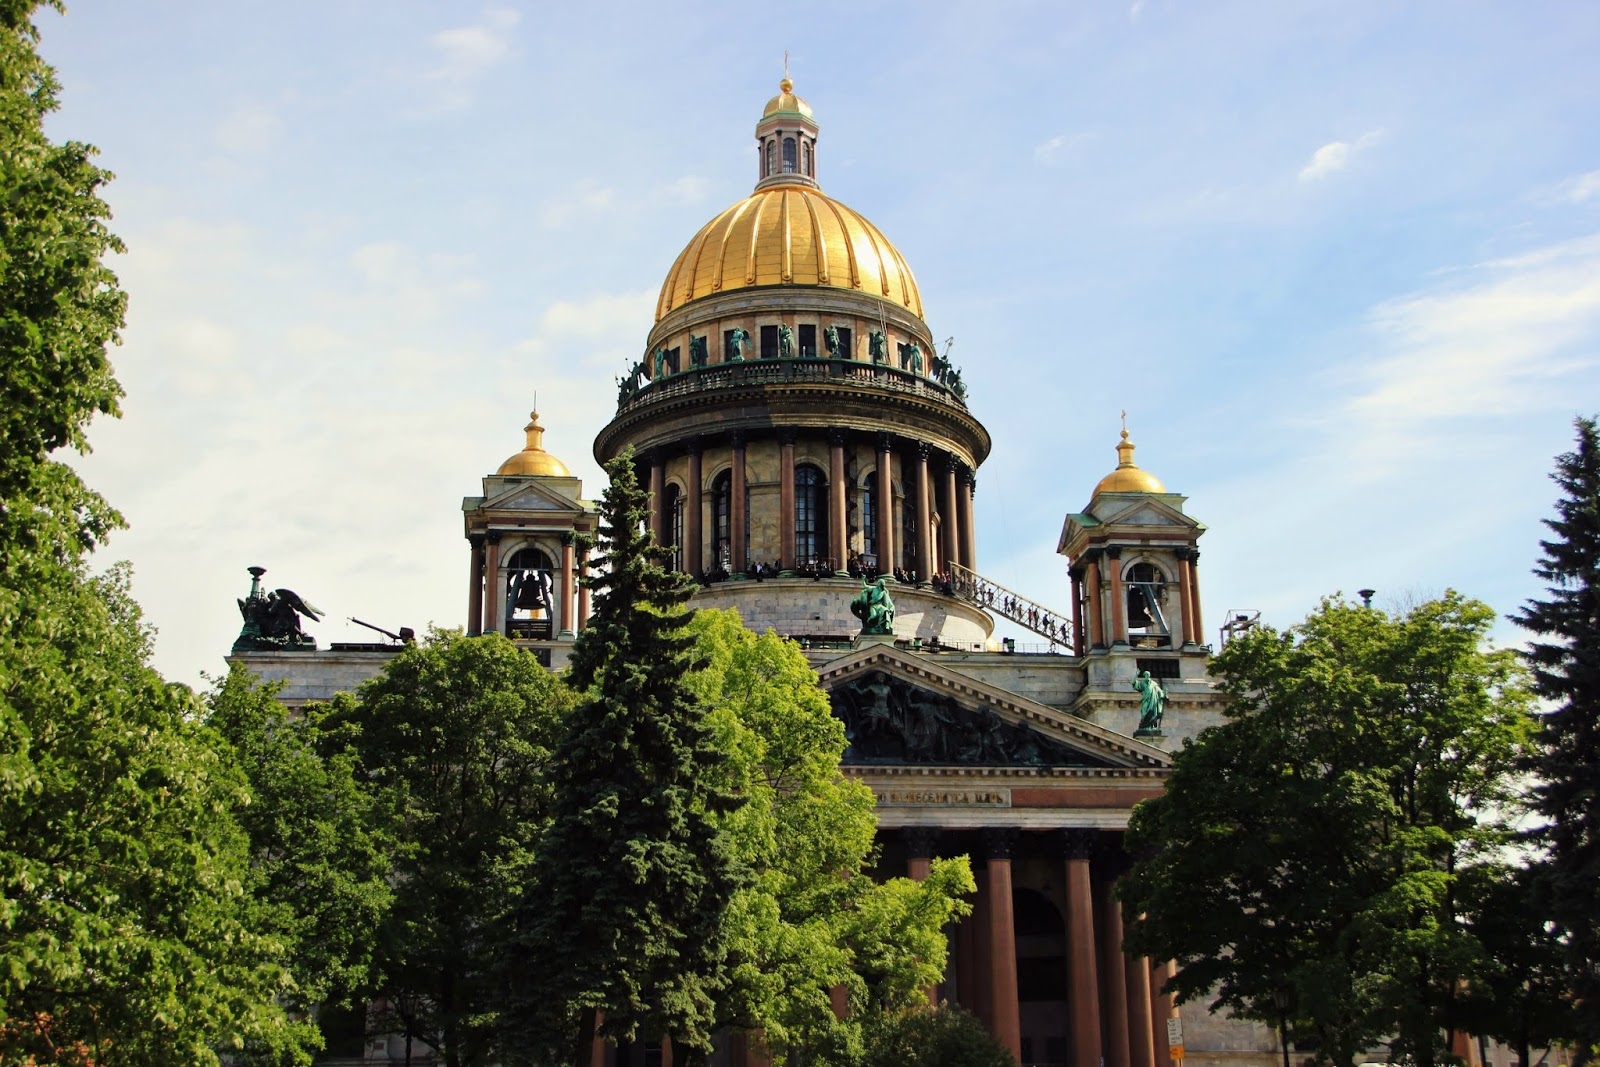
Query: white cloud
x=1336 y=156
x=588 y=198
x=467 y=53
x=689 y=189
x=1136 y=10
x=249 y=130
x=1060 y=144
x=1578 y=189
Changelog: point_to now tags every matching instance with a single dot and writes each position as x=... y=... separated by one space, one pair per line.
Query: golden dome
x=786 y=102
x=1128 y=477
x=789 y=235
x=533 y=459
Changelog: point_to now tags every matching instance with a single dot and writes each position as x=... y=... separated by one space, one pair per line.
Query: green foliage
x=1566 y=670
x=1330 y=837
x=321 y=847
x=635 y=875
x=453 y=740
x=59 y=303
x=812 y=917
x=125 y=932
x=944 y=1036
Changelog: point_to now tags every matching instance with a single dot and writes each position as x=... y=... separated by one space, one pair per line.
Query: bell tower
x=1133 y=557
x=787 y=136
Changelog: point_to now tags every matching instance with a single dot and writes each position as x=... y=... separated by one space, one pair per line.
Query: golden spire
x=533 y=459
x=1128 y=477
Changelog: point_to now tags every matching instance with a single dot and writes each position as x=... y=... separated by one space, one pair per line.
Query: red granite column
x=951 y=530
x=1141 y=1032
x=885 y=506
x=982 y=990
x=583 y=591
x=475 y=586
x=967 y=979
x=786 y=559
x=1083 y=979
x=1186 y=597
x=1114 y=971
x=1097 y=635
x=1194 y=595
x=658 y=497
x=1077 y=611
x=693 y=559
x=921 y=842
x=597 y=1048
x=666 y=1051
x=838 y=505
x=569 y=573
x=969 y=532
x=736 y=505
x=491 y=586
x=1119 y=604
x=924 y=514
x=1162 y=1008
x=1007 y=1024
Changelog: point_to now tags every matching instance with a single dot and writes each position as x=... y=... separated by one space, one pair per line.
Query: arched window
x=772 y=160
x=810 y=529
x=1146 y=589
x=806 y=155
x=869 y=521
x=674 y=509
x=788 y=155
x=530 y=594
x=721 y=525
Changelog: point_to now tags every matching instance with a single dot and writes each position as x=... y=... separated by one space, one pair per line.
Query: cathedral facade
x=802 y=439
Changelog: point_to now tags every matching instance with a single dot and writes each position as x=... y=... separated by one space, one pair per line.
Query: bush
x=945 y=1036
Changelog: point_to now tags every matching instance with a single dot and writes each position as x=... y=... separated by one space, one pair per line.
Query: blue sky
x=1339 y=261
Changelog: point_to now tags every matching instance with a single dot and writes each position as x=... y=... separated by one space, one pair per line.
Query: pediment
x=906 y=708
x=1147 y=512
x=530 y=496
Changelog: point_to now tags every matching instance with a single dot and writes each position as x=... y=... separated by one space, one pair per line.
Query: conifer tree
x=1566 y=668
x=625 y=920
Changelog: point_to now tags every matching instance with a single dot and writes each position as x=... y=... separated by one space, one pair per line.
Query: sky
x=1339 y=262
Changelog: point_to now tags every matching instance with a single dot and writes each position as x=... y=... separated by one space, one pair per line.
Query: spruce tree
x=1566 y=668
x=624 y=920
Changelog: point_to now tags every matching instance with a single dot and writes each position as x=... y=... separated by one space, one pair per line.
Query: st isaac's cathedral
x=803 y=440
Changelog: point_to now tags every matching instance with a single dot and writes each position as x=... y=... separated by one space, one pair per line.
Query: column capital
x=837 y=437
x=568 y=537
x=1089 y=557
x=786 y=435
x=924 y=450
x=999 y=842
x=885 y=442
x=963 y=473
x=691 y=447
x=950 y=466
x=1079 y=844
x=493 y=537
x=737 y=438
x=475 y=540
x=922 y=842
x=1194 y=554
x=1113 y=551
x=1076 y=572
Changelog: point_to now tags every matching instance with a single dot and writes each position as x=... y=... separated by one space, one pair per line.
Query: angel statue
x=272 y=619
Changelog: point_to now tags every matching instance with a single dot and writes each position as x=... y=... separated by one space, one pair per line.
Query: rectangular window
x=808 y=342
x=769 y=342
x=727 y=345
x=1158 y=668
x=846 y=346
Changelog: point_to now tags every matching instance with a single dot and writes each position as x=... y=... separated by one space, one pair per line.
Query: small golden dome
x=1128 y=477
x=786 y=102
x=533 y=459
x=789 y=235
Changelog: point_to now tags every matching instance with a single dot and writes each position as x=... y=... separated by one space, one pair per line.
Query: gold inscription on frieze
x=944 y=798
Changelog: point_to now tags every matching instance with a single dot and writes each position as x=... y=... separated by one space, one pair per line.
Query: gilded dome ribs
x=818 y=241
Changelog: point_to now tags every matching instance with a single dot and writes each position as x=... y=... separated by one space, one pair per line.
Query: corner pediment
x=908 y=708
x=531 y=496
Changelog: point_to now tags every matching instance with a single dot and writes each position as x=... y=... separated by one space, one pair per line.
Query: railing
x=757 y=372
x=971 y=586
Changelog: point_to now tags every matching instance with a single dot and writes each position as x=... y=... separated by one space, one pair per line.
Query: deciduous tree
x=1329 y=838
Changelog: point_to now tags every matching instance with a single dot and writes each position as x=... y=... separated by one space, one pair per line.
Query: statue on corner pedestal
x=785 y=342
x=272 y=620
x=878 y=345
x=1152 y=705
x=738 y=337
x=874 y=607
x=830 y=338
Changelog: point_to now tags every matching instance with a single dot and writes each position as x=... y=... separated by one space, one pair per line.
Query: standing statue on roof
x=1152 y=705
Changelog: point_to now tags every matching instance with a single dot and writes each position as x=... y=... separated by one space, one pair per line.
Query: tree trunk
x=583 y=1047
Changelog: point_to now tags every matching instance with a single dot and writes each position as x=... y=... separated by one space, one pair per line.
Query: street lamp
x=1280 y=997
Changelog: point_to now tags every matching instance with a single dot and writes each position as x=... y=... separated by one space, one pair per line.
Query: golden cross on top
x=1124 y=420
x=785 y=62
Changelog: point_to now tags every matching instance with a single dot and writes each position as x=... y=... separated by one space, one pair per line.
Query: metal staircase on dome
x=1026 y=612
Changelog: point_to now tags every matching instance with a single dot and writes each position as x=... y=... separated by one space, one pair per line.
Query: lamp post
x=1280 y=998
